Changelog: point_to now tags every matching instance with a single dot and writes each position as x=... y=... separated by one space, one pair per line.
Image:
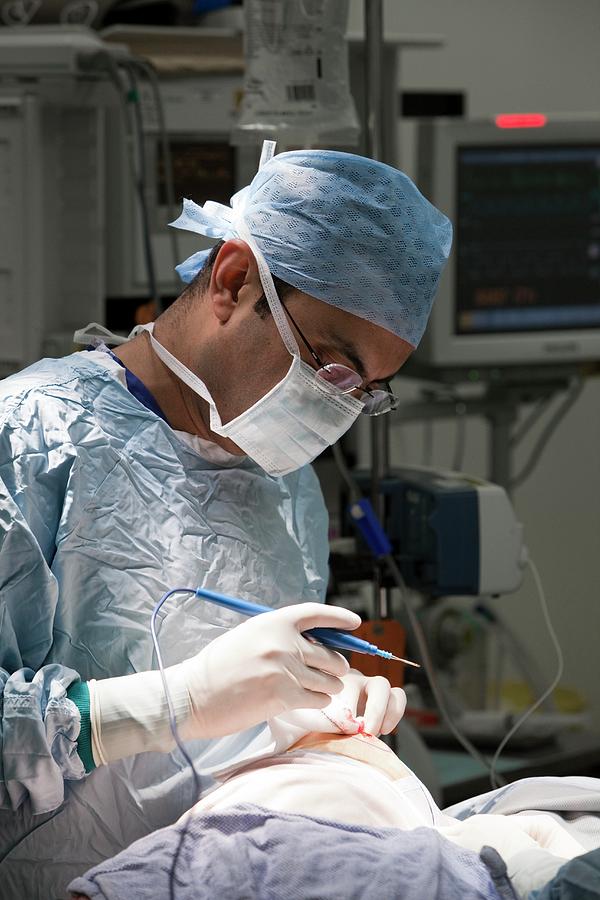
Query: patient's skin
x=363 y=747
x=354 y=779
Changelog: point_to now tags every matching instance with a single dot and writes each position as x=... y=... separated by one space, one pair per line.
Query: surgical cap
x=345 y=229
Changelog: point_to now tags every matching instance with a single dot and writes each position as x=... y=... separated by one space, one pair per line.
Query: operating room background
x=537 y=55
x=515 y=56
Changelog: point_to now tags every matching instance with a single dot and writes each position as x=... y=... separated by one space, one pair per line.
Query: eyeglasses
x=346 y=380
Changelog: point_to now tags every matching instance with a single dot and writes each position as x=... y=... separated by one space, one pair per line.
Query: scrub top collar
x=137 y=388
x=207 y=449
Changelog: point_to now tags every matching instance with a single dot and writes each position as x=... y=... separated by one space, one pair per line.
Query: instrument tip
x=407 y=662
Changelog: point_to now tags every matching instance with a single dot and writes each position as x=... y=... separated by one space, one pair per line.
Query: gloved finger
x=354 y=683
x=376 y=694
x=315 y=680
x=313 y=700
x=550 y=835
x=395 y=710
x=317 y=615
x=317 y=656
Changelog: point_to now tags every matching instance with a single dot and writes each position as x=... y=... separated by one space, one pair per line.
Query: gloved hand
x=265 y=667
x=549 y=834
x=257 y=670
x=512 y=834
x=529 y=870
x=373 y=698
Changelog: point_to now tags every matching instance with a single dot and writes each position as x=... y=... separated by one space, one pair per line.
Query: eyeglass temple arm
x=312 y=352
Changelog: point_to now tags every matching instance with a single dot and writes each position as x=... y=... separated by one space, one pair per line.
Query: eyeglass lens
x=340 y=376
x=344 y=379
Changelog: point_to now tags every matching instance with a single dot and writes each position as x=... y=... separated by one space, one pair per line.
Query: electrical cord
x=140 y=179
x=519 y=653
x=427 y=443
x=79 y=12
x=103 y=61
x=495 y=779
x=551 y=426
x=354 y=491
x=549 y=690
x=461 y=437
x=539 y=408
x=174 y=730
x=429 y=667
x=415 y=625
x=19 y=12
x=152 y=78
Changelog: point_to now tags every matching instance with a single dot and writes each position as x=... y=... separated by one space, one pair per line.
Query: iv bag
x=296 y=84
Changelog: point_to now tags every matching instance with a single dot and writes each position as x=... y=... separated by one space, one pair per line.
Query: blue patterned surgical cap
x=343 y=228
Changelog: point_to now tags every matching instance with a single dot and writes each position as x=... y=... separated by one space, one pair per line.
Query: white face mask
x=288 y=427
x=297 y=419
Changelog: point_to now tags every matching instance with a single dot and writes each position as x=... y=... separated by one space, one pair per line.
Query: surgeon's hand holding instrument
x=329 y=637
x=261 y=668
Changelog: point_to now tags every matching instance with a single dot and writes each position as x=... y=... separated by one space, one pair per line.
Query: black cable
x=152 y=78
x=458 y=459
x=542 y=441
x=415 y=627
x=174 y=731
x=140 y=179
x=105 y=62
x=551 y=687
x=429 y=668
x=427 y=443
x=539 y=408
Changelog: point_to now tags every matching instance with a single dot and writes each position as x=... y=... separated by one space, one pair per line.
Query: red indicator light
x=521 y=120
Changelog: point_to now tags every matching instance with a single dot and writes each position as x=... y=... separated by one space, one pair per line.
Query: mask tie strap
x=182 y=372
x=267 y=152
x=266 y=280
x=96 y=334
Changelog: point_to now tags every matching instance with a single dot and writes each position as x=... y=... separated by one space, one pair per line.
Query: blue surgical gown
x=103 y=508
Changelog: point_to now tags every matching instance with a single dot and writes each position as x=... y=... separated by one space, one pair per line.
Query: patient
x=321 y=764
x=345 y=775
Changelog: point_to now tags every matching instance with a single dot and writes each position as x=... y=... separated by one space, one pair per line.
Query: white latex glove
x=373 y=698
x=338 y=717
x=265 y=667
x=550 y=835
x=510 y=835
x=254 y=672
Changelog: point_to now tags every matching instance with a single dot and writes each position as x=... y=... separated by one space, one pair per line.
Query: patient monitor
x=522 y=287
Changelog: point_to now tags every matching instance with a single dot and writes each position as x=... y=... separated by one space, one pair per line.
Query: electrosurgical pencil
x=330 y=637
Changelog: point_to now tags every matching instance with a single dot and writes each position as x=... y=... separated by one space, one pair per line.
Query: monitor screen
x=527 y=226
x=522 y=285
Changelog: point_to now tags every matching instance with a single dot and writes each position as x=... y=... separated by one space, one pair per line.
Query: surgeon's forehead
x=369 y=348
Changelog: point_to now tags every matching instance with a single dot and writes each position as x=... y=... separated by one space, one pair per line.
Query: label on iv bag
x=296 y=86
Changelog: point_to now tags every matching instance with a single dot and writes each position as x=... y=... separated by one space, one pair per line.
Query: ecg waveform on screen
x=555 y=258
x=519 y=295
x=529 y=204
x=528 y=238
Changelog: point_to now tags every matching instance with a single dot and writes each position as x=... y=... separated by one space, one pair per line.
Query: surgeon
x=181 y=457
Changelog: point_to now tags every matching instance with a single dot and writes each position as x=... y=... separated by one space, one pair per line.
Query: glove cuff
x=79 y=693
x=130 y=715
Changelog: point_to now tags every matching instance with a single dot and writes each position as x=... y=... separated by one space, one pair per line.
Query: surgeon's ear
x=234 y=270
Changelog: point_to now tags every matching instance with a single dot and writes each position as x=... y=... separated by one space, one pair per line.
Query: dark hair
x=200 y=284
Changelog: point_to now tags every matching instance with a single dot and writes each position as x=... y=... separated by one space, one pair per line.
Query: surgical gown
x=103 y=508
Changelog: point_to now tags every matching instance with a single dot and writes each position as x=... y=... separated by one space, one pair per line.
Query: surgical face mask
x=297 y=419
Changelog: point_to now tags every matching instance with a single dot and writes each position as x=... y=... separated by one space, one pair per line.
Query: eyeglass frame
x=393 y=399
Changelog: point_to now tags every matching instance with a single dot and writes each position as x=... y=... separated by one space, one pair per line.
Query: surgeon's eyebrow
x=349 y=350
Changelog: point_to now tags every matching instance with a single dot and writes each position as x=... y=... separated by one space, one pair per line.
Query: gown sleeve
x=39 y=724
